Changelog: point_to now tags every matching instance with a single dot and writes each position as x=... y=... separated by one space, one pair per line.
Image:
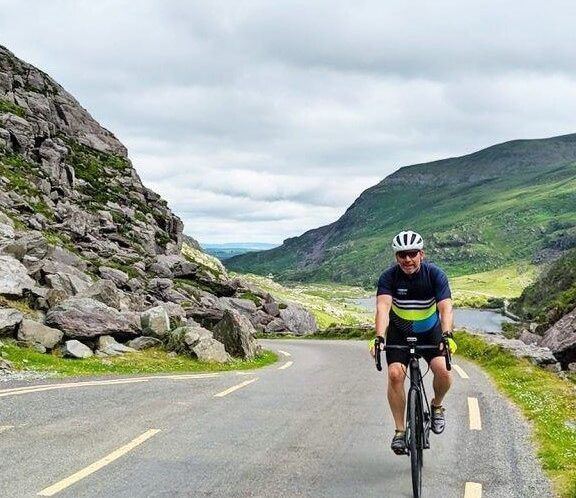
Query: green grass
x=149 y=361
x=547 y=401
x=6 y=106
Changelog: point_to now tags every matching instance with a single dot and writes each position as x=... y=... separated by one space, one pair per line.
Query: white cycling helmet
x=407 y=241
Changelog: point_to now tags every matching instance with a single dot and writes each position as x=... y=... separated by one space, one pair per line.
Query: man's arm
x=446 y=315
x=383 y=305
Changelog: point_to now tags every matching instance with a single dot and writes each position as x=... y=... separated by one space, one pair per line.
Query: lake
x=468 y=318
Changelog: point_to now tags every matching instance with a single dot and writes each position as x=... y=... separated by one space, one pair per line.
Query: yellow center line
x=473 y=490
x=51 y=387
x=474 y=414
x=288 y=364
x=235 y=388
x=461 y=372
x=285 y=353
x=4 y=428
x=81 y=474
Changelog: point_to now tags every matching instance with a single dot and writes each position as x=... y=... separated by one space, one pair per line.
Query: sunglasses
x=410 y=254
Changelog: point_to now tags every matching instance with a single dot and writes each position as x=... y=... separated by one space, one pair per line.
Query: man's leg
x=442 y=379
x=396 y=394
x=442 y=382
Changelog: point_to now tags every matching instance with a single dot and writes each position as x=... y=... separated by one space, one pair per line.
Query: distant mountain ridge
x=228 y=250
x=511 y=201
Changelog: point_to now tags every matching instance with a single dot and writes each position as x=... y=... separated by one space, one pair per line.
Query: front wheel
x=415 y=440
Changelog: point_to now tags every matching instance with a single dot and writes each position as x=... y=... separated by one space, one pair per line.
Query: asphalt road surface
x=315 y=424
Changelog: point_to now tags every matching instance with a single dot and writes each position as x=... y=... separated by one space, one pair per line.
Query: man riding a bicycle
x=414 y=299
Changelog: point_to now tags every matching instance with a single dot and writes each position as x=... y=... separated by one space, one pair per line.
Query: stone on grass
x=143 y=342
x=76 y=349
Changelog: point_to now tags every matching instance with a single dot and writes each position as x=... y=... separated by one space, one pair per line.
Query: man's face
x=410 y=261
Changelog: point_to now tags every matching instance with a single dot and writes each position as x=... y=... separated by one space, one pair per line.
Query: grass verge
x=546 y=400
x=149 y=361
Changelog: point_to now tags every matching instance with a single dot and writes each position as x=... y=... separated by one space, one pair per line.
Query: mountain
x=87 y=251
x=512 y=201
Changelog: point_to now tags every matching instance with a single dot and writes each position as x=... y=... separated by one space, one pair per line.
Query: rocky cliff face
x=89 y=249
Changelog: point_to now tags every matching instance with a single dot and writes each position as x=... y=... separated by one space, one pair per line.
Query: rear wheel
x=415 y=440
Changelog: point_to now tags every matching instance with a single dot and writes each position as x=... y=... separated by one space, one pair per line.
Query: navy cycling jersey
x=414 y=297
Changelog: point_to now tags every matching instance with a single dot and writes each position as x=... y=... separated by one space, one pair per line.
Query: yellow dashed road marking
x=4 y=428
x=473 y=490
x=461 y=372
x=474 y=414
x=235 y=388
x=286 y=365
x=285 y=353
x=81 y=474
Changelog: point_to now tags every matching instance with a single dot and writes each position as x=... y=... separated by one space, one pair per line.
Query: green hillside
x=477 y=212
x=552 y=295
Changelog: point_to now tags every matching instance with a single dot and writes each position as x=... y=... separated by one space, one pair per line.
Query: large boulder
x=38 y=333
x=14 y=277
x=237 y=334
x=88 y=318
x=155 y=322
x=10 y=320
x=63 y=277
x=561 y=339
x=298 y=320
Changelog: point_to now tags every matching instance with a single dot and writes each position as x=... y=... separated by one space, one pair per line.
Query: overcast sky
x=259 y=120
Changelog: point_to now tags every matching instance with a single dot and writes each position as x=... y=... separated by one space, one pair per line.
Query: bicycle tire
x=415 y=440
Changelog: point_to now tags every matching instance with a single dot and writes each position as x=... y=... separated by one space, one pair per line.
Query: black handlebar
x=380 y=345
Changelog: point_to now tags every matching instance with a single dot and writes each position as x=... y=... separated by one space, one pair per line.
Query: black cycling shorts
x=395 y=336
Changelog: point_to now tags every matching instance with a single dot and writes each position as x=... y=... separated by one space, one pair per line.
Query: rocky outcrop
x=561 y=339
x=298 y=320
x=85 y=245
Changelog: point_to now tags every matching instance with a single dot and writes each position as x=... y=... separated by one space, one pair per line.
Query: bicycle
x=418 y=419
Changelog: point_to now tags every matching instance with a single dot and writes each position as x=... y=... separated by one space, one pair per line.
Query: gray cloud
x=259 y=120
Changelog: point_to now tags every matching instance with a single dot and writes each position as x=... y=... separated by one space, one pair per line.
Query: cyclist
x=413 y=299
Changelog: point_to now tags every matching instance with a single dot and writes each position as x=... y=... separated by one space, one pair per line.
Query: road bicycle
x=418 y=419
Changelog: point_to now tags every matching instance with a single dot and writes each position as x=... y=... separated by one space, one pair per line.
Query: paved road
x=318 y=426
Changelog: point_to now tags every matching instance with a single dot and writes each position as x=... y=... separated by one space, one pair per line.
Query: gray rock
x=63 y=277
x=109 y=346
x=14 y=277
x=276 y=326
x=75 y=349
x=10 y=320
x=237 y=334
x=176 y=314
x=298 y=320
x=271 y=308
x=529 y=338
x=261 y=318
x=561 y=338
x=536 y=354
x=88 y=318
x=119 y=277
x=38 y=333
x=144 y=342
x=244 y=306
x=64 y=256
x=155 y=322
x=106 y=292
